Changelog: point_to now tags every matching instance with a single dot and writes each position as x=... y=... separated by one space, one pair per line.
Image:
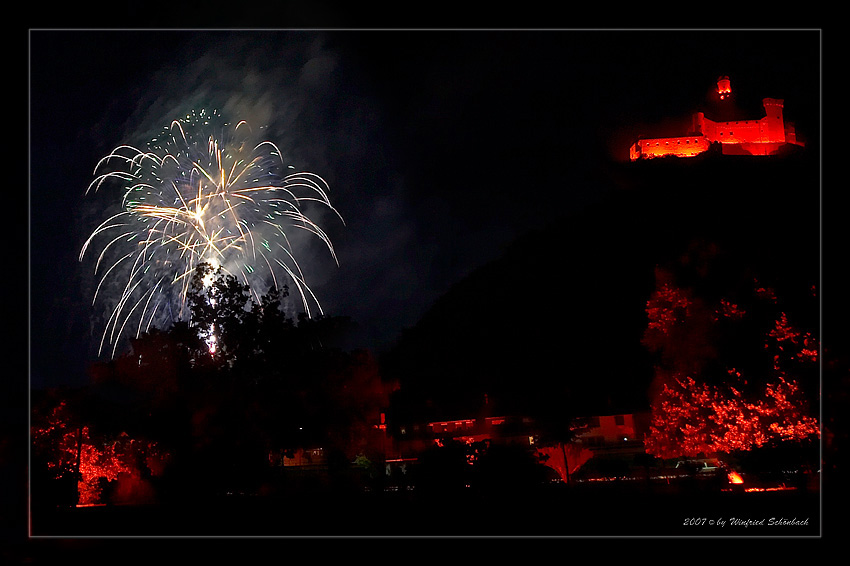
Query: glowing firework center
x=208 y=279
x=205 y=191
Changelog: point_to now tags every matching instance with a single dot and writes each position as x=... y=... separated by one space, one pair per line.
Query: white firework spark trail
x=202 y=192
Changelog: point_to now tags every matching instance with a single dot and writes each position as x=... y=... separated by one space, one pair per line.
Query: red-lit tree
x=732 y=371
x=691 y=418
x=70 y=450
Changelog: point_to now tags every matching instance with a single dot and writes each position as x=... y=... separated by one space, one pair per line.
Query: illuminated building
x=605 y=436
x=763 y=136
x=615 y=432
x=411 y=439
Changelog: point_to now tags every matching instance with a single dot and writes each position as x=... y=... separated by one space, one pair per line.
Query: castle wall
x=751 y=148
x=738 y=131
x=686 y=146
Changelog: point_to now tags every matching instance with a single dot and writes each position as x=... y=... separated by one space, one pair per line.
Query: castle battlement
x=763 y=136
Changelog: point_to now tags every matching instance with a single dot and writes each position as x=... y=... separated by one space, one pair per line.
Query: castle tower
x=724 y=87
x=774 y=131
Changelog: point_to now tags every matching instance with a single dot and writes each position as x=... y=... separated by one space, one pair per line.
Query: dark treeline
x=269 y=387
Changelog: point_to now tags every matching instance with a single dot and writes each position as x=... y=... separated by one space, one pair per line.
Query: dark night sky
x=441 y=147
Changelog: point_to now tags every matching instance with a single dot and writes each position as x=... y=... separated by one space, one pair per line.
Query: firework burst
x=204 y=191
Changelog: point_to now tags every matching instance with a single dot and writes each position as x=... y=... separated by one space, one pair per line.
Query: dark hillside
x=561 y=313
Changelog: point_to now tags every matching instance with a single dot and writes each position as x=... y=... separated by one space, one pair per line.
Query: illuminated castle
x=764 y=136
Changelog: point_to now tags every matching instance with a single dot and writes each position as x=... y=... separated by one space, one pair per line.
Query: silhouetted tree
x=559 y=430
x=509 y=469
x=219 y=306
x=444 y=470
x=269 y=383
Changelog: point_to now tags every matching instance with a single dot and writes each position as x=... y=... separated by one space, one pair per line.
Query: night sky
x=441 y=147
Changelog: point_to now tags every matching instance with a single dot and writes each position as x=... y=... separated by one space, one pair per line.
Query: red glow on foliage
x=668 y=306
x=802 y=345
x=809 y=354
x=766 y=293
x=695 y=408
x=782 y=331
x=679 y=328
x=728 y=309
x=97 y=462
x=690 y=418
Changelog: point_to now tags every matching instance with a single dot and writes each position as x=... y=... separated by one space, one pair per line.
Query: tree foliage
x=95 y=467
x=218 y=393
x=732 y=372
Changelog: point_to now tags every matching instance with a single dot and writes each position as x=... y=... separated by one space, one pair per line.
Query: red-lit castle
x=765 y=136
